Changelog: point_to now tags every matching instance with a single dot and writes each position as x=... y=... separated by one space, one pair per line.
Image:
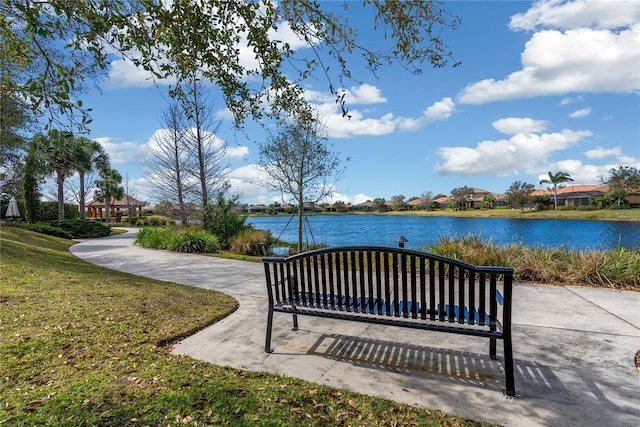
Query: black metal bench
x=396 y=287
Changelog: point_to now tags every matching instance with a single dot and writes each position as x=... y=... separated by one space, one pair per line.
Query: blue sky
x=543 y=86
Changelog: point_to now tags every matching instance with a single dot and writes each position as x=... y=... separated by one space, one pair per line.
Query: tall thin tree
x=300 y=164
x=90 y=156
x=168 y=163
x=62 y=158
x=108 y=188
x=206 y=149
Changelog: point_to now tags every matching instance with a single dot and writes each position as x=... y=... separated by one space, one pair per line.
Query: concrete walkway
x=574 y=347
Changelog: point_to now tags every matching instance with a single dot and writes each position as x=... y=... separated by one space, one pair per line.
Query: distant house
x=257 y=209
x=444 y=201
x=362 y=207
x=118 y=208
x=580 y=195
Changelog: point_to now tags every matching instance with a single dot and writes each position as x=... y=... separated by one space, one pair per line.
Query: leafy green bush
x=175 y=239
x=43 y=228
x=48 y=211
x=155 y=220
x=82 y=229
x=251 y=242
x=148 y=237
x=224 y=221
x=198 y=241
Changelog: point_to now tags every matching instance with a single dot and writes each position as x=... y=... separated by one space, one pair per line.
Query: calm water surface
x=337 y=230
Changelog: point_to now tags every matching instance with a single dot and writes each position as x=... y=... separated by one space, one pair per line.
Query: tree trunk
x=60 y=182
x=107 y=208
x=81 y=213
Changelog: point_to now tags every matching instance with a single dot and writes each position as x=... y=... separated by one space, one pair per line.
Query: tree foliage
x=299 y=163
x=14 y=121
x=555 y=180
x=108 y=188
x=623 y=181
x=461 y=197
x=30 y=185
x=51 y=48
x=519 y=193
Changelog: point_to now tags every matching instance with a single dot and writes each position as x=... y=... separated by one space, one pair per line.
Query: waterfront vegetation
x=84 y=345
x=558 y=266
x=585 y=214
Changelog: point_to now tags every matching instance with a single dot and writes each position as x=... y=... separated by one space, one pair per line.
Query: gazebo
x=95 y=209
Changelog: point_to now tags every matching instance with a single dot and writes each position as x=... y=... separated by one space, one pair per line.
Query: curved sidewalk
x=574 y=347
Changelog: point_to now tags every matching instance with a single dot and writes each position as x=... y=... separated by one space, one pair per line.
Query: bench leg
x=267 y=344
x=492 y=348
x=295 y=322
x=508 y=367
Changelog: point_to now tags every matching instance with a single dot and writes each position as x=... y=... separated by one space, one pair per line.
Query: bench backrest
x=393 y=282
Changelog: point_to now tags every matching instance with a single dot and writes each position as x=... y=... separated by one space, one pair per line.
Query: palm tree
x=90 y=156
x=556 y=179
x=61 y=160
x=108 y=188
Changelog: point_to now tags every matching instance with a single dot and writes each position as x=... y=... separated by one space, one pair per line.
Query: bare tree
x=169 y=162
x=207 y=152
x=299 y=164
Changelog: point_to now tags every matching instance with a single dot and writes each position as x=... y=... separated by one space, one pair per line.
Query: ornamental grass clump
x=618 y=268
x=471 y=248
x=251 y=242
x=188 y=240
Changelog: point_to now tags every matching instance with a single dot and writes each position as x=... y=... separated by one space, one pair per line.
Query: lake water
x=383 y=230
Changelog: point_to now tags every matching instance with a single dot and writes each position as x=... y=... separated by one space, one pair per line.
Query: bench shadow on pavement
x=453 y=366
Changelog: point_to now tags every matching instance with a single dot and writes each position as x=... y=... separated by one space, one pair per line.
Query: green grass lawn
x=84 y=345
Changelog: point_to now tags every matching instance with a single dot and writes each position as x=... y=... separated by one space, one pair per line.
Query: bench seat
x=395 y=287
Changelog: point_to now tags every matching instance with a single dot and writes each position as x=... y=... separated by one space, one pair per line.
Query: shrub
x=155 y=220
x=612 y=268
x=148 y=237
x=48 y=211
x=198 y=241
x=82 y=229
x=179 y=240
x=43 y=228
x=251 y=242
x=224 y=221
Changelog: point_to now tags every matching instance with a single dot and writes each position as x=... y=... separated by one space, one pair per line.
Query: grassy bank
x=83 y=345
x=600 y=214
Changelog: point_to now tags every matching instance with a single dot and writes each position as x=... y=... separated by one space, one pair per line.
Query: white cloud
x=515 y=125
x=521 y=152
x=580 y=113
x=579 y=13
x=246 y=180
x=601 y=153
x=122 y=152
x=616 y=152
x=581 y=173
x=364 y=94
x=237 y=152
x=570 y=100
x=580 y=46
x=556 y=63
x=123 y=73
x=359 y=125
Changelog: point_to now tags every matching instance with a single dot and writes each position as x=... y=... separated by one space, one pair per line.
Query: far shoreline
x=590 y=215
